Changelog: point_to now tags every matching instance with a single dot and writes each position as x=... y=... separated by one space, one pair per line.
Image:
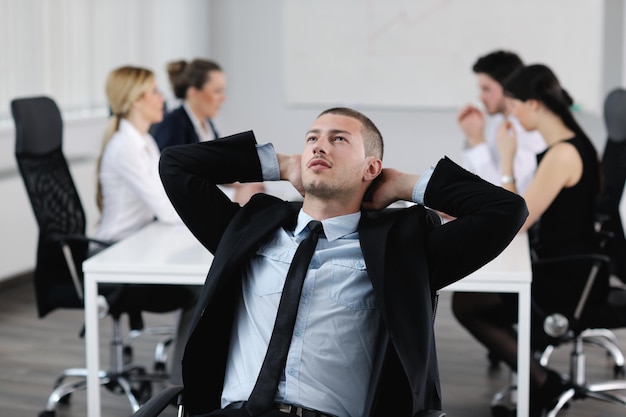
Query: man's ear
x=374 y=168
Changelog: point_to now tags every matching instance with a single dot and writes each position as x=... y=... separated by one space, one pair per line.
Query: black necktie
x=262 y=396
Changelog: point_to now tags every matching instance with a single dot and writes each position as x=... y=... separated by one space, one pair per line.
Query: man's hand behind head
x=291 y=170
x=390 y=186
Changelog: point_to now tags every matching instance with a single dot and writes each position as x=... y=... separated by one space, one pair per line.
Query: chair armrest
x=159 y=402
x=62 y=238
x=592 y=257
x=596 y=262
x=431 y=413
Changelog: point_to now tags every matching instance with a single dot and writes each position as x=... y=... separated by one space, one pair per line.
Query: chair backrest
x=614 y=109
x=614 y=155
x=54 y=199
x=608 y=220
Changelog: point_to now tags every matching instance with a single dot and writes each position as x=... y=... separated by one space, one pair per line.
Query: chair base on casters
x=599 y=391
x=124 y=378
x=578 y=387
x=602 y=338
x=133 y=382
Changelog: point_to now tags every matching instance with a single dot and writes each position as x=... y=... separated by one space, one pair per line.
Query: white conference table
x=165 y=254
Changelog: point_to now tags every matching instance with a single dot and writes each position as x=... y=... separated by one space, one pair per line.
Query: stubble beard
x=321 y=190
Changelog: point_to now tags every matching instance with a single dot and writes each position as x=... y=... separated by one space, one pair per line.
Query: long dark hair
x=538 y=82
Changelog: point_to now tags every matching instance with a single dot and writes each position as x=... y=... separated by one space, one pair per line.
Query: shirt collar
x=334 y=227
x=204 y=132
x=131 y=131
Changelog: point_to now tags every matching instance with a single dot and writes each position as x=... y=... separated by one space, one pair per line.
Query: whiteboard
x=419 y=53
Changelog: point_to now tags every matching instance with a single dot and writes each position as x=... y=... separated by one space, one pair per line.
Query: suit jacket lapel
x=249 y=227
x=372 y=236
x=190 y=126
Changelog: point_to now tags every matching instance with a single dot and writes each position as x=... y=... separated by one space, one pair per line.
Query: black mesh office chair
x=611 y=241
x=596 y=308
x=609 y=222
x=63 y=246
x=570 y=327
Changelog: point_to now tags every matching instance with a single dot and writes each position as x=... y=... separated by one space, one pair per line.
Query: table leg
x=523 y=352
x=92 y=346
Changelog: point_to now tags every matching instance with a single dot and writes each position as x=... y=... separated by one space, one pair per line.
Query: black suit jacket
x=408 y=259
x=177 y=129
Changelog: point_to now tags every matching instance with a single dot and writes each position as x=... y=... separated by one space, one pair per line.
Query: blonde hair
x=124 y=86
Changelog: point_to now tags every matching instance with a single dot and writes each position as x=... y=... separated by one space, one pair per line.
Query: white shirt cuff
x=269 y=162
x=420 y=186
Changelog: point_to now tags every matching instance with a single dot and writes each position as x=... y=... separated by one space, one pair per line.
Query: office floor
x=33 y=350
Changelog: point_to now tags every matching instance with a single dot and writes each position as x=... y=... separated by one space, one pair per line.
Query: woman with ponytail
x=200 y=85
x=561 y=201
x=130 y=193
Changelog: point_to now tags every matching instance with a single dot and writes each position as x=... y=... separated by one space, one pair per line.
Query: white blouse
x=132 y=192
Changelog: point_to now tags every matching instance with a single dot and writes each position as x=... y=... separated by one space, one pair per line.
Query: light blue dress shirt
x=334 y=345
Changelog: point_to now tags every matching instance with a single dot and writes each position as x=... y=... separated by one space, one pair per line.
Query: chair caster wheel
x=494 y=360
x=143 y=392
x=159 y=367
x=65 y=400
x=127 y=354
x=47 y=414
x=503 y=411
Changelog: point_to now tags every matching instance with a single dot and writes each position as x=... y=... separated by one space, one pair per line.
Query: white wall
x=146 y=32
x=249 y=46
x=246 y=38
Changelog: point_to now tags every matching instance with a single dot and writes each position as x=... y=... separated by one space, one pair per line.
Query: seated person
x=201 y=85
x=130 y=193
x=362 y=343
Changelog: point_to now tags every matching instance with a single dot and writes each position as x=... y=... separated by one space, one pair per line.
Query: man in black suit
x=363 y=343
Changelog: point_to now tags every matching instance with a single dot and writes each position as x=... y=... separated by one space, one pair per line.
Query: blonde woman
x=130 y=194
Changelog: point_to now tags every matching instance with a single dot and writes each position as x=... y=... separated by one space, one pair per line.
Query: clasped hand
x=472 y=122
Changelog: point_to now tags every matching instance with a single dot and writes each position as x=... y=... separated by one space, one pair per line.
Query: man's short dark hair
x=373 y=139
x=498 y=65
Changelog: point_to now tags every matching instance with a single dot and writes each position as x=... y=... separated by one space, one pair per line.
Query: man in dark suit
x=363 y=343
